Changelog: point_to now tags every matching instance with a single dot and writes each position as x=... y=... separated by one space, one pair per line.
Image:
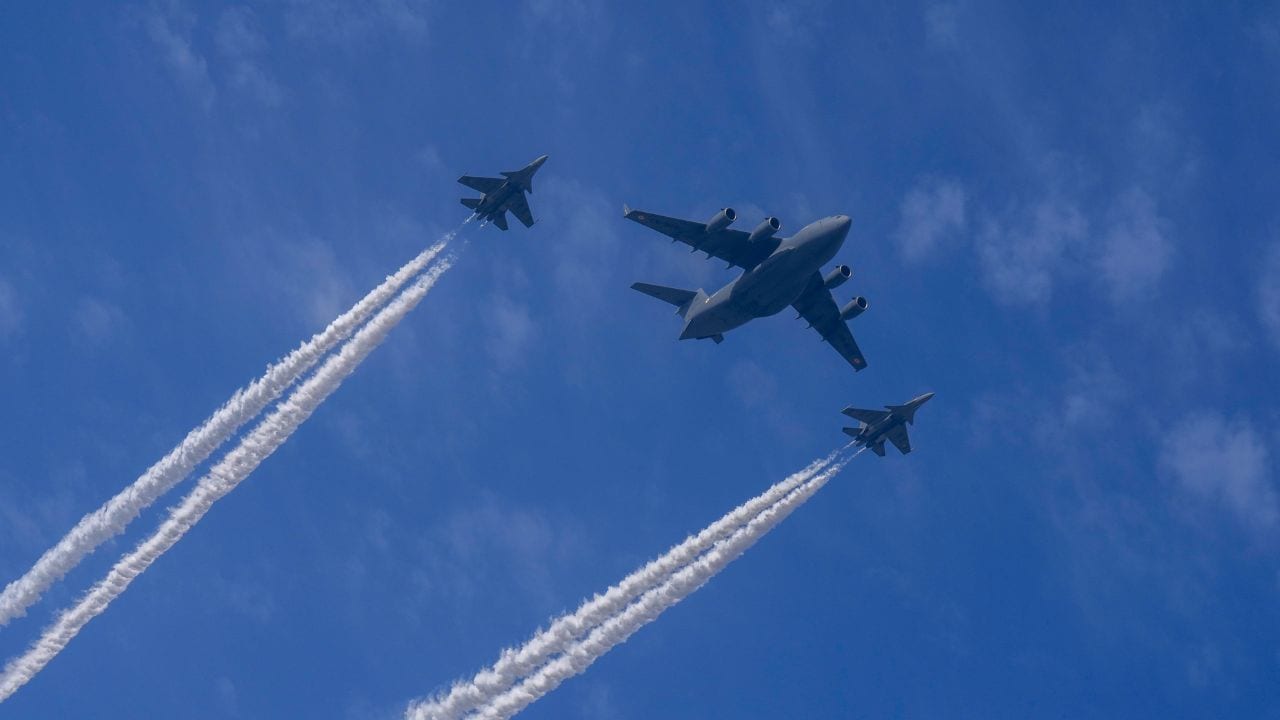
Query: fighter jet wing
x=898 y=436
x=870 y=417
x=519 y=206
x=819 y=309
x=731 y=246
x=483 y=184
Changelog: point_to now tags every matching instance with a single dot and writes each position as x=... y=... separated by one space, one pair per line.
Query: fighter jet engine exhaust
x=853 y=308
x=229 y=472
x=557 y=653
x=765 y=229
x=245 y=404
x=838 y=276
x=722 y=220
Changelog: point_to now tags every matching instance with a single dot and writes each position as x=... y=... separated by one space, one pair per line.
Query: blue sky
x=1064 y=219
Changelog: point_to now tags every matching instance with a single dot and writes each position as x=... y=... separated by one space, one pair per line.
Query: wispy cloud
x=1224 y=462
x=242 y=46
x=942 y=24
x=170 y=26
x=97 y=321
x=512 y=330
x=1136 y=250
x=1269 y=294
x=352 y=23
x=932 y=213
x=11 y=315
x=1021 y=253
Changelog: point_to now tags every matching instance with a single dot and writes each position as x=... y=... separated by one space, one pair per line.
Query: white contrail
x=110 y=519
x=515 y=664
x=256 y=446
x=617 y=629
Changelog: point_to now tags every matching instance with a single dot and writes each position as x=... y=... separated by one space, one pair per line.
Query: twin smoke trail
x=263 y=440
x=111 y=519
x=610 y=618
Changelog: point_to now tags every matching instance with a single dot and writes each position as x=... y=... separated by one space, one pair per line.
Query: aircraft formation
x=777 y=272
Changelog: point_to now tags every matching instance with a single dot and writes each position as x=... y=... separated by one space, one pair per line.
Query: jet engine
x=765 y=229
x=837 y=277
x=854 y=308
x=721 y=220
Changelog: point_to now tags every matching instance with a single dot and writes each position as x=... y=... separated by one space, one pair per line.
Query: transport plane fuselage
x=770 y=286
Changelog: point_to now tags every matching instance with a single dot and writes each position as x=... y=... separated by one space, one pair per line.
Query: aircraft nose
x=842 y=223
x=926 y=398
x=539 y=161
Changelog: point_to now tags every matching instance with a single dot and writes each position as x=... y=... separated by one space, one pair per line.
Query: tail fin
x=472 y=203
x=680 y=298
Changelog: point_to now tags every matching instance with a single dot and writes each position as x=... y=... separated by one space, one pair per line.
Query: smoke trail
x=257 y=445
x=110 y=519
x=617 y=629
x=515 y=664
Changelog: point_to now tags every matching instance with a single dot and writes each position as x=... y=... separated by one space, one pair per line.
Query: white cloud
x=240 y=42
x=10 y=310
x=1135 y=251
x=350 y=23
x=472 y=546
x=941 y=24
x=314 y=279
x=97 y=320
x=1269 y=294
x=228 y=697
x=170 y=29
x=1021 y=254
x=931 y=213
x=754 y=387
x=512 y=331
x=1224 y=462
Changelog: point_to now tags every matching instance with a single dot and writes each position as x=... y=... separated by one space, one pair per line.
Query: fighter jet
x=777 y=272
x=503 y=194
x=876 y=426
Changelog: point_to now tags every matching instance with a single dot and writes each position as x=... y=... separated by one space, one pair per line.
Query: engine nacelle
x=765 y=229
x=721 y=220
x=855 y=308
x=837 y=277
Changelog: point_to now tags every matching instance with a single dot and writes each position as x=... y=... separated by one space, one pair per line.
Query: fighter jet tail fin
x=675 y=296
x=472 y=203
x=878 y=449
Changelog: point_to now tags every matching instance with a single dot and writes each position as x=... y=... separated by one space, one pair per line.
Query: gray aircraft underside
x=503 y=195
x=877 y=426
x=777 y=272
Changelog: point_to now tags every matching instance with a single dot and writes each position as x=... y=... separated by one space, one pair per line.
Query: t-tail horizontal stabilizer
x=675 y=296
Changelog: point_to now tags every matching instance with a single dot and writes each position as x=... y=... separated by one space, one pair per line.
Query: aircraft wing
x=731 y=246
x=519 y=206
x=819 y=309
x=483 y=184
x=898 y=436
x=870 y=417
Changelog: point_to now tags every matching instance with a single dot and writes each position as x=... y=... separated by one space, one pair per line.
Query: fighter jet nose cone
x=926 y=398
